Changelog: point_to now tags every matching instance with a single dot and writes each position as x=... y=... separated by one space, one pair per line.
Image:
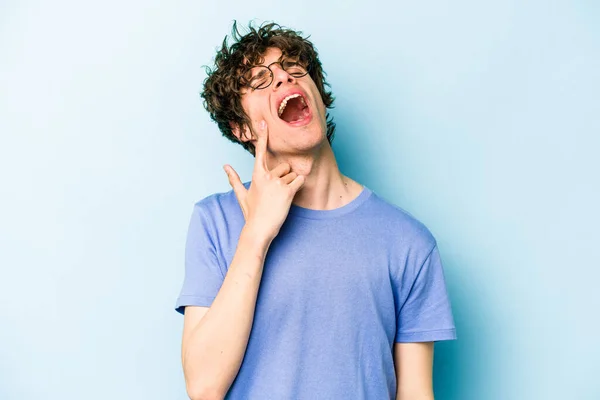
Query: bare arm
x=414 y=370
x=215 y=338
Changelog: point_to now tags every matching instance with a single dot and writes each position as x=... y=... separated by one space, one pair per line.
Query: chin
x=311 y=139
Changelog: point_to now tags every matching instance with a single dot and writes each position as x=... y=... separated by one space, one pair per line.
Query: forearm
x=214 y=349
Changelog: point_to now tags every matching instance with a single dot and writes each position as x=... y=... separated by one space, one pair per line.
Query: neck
x=325 y=188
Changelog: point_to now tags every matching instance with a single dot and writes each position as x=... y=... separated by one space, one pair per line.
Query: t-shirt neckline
x=302 y=212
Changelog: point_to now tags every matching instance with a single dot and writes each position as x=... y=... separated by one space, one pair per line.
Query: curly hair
x=222 y=87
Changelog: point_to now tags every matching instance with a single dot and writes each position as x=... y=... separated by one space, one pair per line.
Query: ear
x=242 y=133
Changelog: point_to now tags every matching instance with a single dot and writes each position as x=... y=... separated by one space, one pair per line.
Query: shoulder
x=219 y=207
x=406 y=240
x=400 y=225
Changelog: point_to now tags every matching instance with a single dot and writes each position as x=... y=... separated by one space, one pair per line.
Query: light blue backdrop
x=480 y=118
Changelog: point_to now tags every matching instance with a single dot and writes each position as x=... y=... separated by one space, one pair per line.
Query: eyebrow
x=280 y=60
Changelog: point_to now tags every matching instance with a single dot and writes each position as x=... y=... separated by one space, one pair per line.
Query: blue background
x=480 y=118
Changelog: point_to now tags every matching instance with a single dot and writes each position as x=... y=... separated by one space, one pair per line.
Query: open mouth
x=293 y=109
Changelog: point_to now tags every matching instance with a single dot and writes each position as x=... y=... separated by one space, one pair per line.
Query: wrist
x=255 y=239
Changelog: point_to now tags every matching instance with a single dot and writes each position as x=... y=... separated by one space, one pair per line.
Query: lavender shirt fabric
x=339 y=288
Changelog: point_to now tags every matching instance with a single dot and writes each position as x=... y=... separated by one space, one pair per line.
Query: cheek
x=318 y=99
x=317 y=96
x=320 y=104
x=247 y=106
x=323 y=108
x=254 y=109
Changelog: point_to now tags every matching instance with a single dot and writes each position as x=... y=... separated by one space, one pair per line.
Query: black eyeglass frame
x=246 y=83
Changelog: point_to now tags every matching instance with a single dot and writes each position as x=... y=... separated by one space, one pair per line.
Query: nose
x=280 y=76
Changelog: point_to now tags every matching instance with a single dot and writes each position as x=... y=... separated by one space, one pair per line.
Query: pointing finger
x=261 y=145
x=234 y=180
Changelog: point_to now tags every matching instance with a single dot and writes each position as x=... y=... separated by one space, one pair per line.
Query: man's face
x=291 y=106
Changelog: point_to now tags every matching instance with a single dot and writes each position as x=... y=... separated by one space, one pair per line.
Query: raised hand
x=267 y=202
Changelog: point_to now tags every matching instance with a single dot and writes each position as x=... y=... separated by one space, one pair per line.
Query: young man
x=302 y=284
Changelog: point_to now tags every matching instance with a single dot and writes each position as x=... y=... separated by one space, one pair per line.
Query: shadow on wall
x=463 y=367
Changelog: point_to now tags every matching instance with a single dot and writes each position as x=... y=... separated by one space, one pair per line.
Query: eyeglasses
x=261 y=76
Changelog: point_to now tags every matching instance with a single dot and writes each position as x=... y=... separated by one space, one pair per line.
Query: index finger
x=260 y=149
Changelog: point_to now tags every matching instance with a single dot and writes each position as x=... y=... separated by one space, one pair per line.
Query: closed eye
x=261 y=74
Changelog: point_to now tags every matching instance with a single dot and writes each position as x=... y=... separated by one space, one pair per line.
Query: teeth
x=284 y=102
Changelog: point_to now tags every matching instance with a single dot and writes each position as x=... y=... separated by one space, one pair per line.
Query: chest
x=327 y=278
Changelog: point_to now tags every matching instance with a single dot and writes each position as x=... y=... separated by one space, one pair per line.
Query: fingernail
x=262 y=125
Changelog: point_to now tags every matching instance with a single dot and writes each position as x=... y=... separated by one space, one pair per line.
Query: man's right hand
x=267 y=202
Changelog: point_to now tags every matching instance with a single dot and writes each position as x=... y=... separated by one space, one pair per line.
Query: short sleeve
x=203 y=276
x=426 y=314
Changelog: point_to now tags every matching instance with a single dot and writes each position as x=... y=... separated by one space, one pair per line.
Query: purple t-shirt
x=339 y=288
